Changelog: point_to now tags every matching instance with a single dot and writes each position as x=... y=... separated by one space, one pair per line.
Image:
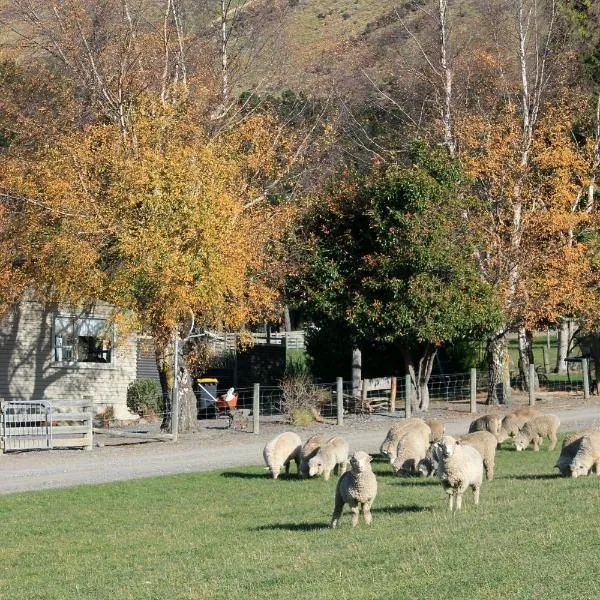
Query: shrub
x=144 y=397
x=302 y=399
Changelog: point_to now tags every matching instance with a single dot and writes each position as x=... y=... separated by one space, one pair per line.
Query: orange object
x=223 y=404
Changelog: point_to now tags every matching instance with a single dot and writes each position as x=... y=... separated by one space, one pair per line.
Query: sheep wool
x=437 y=431
x=332 y=453
x=389 y=446
x=535 y=430
x=513 y=421
x=460 y=468
x=412 y=448
x=280 y=451
x=491 y=423
x=310 y=448
x=357 y=488
x=587 y=457
x=485 y=443
x=428 y=465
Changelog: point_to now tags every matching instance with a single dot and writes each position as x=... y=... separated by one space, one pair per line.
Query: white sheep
x=310 y=448
x=460 y=467
x=412 y=448
x=535 y=430
x=357 y=487
x=485 y=443
x=334 y=452
x=428 y=465
x=587 y=458
x=438 y=429
x=491 y=423
x=389 y=446
x=280 y=451
x=514 y=420
x=568 y=450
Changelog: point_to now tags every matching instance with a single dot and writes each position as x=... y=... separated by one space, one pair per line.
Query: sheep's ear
x=370 y=458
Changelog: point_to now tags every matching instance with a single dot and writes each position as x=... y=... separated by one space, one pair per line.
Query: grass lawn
x=238 y=534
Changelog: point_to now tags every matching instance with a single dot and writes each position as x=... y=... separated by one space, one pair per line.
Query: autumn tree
x=390 y=257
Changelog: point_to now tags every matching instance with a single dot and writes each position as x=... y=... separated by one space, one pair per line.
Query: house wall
x=28 y=370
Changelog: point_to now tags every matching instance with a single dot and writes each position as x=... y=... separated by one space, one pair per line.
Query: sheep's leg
x=337 y=511
x=536 y=444
x=355 y=509
x=489 y=469
x=458 y=500
x=367 y=512
x=287 y=466
x=476 y=489
x=326 y=474
x=553 y=440
x=451 y=501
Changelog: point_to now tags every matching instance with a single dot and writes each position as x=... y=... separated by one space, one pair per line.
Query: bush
x=144 y=397
x=302 y=399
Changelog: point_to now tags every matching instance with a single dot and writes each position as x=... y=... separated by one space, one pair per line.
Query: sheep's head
x=448 y=446
x=521 y=441
x=581 y=463
x=315 y=466
x=360 y=461
x=424 y=467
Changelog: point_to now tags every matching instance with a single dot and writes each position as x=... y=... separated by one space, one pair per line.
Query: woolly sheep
x=310 y=448
x=569 y=449
x=333 y=452
x=535 y=430
x=437 y=431
x=428 y=465
x=356 y=487
x=280 y=451
x=485 y=443
x=513 y=421
x=491 y=423
x=587 y=458
x=461 y=467
x=412 y=447
x=389 y=446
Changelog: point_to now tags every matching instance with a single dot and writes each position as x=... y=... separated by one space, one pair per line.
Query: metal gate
x=26 y=424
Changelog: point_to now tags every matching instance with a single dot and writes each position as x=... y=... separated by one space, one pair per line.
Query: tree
x=390 y=257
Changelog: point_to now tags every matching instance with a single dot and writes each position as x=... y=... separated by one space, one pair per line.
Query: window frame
x=72 y=330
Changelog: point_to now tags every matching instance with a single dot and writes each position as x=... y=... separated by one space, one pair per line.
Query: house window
x=82 y=340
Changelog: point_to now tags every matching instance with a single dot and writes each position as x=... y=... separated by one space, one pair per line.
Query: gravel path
x=215 y=447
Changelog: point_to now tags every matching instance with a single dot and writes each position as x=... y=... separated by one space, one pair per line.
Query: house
x=53 y=353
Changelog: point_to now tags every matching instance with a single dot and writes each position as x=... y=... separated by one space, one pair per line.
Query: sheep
x=428 y=465
x=535 y=430
x=437 y=431
x=587 y=458
x=461 y=467
x=412 y=447
x=513 y=421
x=310 y=448
x=569 y=449
x=485 y=443
x=356 y=487
x=280 y=451
x=491 y=423
x=389 y=446
x=334 y=452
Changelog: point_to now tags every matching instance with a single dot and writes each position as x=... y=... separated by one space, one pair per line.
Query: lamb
x=356 y=487
x=310 y=448
x=428 y=465
x=535 y=430
x=461 y=467
x=389 y=446
x=491 y=423
x=587 y=458
x=485 y=443
x=513 y=421
x=334 y=452
x=280 y=451
x=437 y=431
x=412 y=447
x=569 y=449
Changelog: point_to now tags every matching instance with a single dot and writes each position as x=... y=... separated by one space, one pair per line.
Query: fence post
x=393 y=392
x=407 y=406
x=340 y=400
x=256 y=409
x=585 y=368
x=363 y=395
x=473 y=390
x=546 y=360
x=531 y=384
x=175 y=389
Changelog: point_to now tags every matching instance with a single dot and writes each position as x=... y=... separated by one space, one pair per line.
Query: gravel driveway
x=214 y=447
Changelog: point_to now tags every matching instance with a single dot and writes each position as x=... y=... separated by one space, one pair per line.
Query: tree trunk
x=420 y=375
x=564 y=341
x=356 y=372
x=498 y=372
x=526 y=359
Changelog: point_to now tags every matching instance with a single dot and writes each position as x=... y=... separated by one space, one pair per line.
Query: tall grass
x=238 y=534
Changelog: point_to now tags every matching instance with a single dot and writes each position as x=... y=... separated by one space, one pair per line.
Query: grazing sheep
x=428 y=465
x=310 y=448
x=437 y=431
x=587 y=458
x=389 y=446
x=485 y=443
x=491 y=423
x=569 y=449
x=280 y=451
x=513 y=421
x=535 y=430
x=412 y=447
x=356 y=487
x=461 y=467
x=334 y=452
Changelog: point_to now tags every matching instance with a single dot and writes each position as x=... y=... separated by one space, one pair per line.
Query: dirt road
x=215 y=447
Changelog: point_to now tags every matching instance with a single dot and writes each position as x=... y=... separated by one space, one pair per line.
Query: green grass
x=238 y=534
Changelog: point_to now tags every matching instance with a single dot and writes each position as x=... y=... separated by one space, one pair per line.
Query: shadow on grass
x=537 y=476
x=402 y=508
x=264 y=475
x=292 y=527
